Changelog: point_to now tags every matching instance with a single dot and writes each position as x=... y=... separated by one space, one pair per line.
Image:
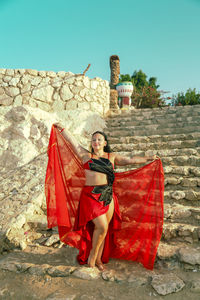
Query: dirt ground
x=28 y=287
x=24 y=286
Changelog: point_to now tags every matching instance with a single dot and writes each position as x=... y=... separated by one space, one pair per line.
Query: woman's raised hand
x=154 y=157
x=58 y=125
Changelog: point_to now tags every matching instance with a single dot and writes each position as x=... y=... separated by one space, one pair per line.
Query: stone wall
x=51 y=91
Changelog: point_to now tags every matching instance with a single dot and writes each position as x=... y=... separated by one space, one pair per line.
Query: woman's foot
x=91 y=260
x=100 y=266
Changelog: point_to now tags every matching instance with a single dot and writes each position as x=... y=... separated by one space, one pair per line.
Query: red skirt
x=90 y=208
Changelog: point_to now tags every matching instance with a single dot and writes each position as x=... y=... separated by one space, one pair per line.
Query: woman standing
x=93 y=222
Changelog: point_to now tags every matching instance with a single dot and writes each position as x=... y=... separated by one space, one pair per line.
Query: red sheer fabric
x=136 y=227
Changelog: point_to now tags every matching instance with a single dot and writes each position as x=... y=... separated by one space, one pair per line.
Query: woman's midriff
x=95 y=178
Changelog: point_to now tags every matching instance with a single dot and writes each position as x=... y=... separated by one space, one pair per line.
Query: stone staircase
x=172 y=133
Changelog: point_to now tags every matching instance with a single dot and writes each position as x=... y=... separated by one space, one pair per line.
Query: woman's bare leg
x=100 y=230
x=109 y=216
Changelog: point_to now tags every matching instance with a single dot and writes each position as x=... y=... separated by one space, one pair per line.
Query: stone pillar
x=114 y=79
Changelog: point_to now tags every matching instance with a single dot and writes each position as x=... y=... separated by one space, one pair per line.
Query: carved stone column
x=114 y=79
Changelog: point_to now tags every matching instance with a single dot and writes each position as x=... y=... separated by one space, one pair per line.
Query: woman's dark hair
x=107 y=147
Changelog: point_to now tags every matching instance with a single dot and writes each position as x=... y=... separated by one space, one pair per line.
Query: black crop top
x=102 y=165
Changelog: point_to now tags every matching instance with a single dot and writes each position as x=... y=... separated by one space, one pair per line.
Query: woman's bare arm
x=78 y=149
x=124 y=161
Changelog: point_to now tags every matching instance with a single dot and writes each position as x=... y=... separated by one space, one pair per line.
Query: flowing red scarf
x=140 y=193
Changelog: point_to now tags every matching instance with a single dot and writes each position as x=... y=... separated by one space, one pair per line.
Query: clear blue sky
x=160 y=37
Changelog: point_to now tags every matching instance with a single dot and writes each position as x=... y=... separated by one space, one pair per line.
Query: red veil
x=136 y=227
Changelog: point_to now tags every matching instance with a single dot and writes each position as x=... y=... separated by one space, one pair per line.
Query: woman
x=97 y=217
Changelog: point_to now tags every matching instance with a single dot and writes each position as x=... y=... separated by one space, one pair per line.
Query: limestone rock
x=166 y=251
x=52 y=240
x=18 y=100
x=59 y=295
x=83 y=106
x=109 y=275
x=196 y=171
x=44 y=106
x=84 y=92
x=173 y=180
x=26 y=78
x=86 y=82
x=70 y=79
x=195 y=286
x=14 y=81
x=167 y=169
x=167 y=284
x=36 y=81
x=51 y=74
x=176 y=211
x=10 y=72
x=8 y=266
x=181 y=170
x=178 y=195
x=94 y=84
x=21 y=71
x=56 y=82
x=32 y=72
x=7 y=79
x=43 y=93
x=38 y=270
x=58 y=105
x=192 y=195
x=190 y=182
x=22 y=245
x=12 y=91
x=87 y=273
x=61 y=74
x=42 y=73
x=2 y=71
x=190 y=255
x=65 y=93
x=5 y=100
x=23 y=267
x=60 y=271
x=71 y=105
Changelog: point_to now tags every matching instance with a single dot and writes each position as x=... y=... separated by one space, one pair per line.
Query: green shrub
x=191 y=97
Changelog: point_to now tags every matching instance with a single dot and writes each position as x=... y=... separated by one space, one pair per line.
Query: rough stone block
x=167 y=284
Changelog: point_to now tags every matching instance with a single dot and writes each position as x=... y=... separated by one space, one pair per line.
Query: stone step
x=182 y=181
x=175 y=255
x=185 y=159
x=154 y=123
x=162 y=112
x=181 y=160
x=190 y=171
x=160 y=152
x=156 y=145
x=172 y=172
x=182 y=196
x=181 y=232
x=154 y=138
x=152 y=118
x=181 y=214
x=148 y=132
x=183 y=170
